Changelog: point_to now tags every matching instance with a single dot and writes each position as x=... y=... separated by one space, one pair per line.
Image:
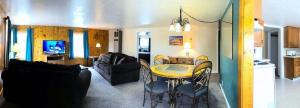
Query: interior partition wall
x=228 y=53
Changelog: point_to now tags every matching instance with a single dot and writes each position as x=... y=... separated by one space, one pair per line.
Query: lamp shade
x=98 y=45
x=177 y=27
x=16 y=48
x=187 y=27
x=187 y=46
x=172 y=27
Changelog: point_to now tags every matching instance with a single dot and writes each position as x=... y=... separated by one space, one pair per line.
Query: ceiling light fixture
x=180 y=24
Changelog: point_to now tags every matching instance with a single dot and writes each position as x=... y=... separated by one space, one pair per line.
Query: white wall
x=203 y=37
x=111 y=40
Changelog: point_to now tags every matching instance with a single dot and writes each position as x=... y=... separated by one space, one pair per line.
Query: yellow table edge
x=165 y=75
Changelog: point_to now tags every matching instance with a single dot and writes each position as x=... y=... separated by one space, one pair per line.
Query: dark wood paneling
x=61 y=33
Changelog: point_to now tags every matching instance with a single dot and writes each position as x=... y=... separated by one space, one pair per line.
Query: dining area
x=173 y=83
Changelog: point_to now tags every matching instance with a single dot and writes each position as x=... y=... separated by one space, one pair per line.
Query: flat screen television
x=54 y=46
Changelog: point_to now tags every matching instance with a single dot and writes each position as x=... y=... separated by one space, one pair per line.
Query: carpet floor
x=130 y=95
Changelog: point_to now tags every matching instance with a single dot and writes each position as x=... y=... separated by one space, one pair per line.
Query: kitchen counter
x=297 y=56
x=263 y=65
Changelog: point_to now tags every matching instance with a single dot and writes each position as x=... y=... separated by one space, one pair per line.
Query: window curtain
x=86 y=44
x=15 y=39
x=71 y=53
x=29 y=44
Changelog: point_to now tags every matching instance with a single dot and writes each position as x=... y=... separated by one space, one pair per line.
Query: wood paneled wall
x=41 y=33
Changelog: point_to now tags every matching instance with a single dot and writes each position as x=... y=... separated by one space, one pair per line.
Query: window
x=11 y=53
x=21 y=41
x=78 y=49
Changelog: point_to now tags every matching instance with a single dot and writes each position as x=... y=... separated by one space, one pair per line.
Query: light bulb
x=187 y=27
x=172 y=28
x=187 y=46
x=98 y=45
x=177 y=27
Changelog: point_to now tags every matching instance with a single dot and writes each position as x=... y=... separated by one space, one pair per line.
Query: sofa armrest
x=85 y=80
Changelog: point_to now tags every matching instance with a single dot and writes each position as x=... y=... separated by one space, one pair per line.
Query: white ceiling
x=281 y=12
x=108 y=13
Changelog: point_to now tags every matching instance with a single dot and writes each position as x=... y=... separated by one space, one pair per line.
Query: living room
x=101 y=39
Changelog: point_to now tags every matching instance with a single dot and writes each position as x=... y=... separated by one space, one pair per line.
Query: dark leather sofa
x=118 y=68
x=43 y=85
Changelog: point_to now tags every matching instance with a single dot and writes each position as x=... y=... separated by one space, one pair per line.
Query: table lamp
x=98 y=45
x=16 y=49
x=187 y=47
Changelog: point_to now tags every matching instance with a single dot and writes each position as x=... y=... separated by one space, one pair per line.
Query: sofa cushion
x=19 y=66
x=105 y=58
x=173 y=60
x=121 y=60
x=130 y=59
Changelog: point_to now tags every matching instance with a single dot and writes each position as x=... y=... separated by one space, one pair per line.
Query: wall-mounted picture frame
x=176 y=40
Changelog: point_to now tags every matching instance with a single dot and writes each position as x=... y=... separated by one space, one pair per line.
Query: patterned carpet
x=102 y=95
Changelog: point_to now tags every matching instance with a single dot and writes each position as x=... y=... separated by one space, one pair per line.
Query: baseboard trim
x=227 y=103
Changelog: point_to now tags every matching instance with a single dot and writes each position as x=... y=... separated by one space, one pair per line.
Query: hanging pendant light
x=187 y=26
x=181 y=24
x=172 y=27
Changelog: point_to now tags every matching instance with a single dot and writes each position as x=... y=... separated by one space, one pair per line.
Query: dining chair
x=200 y=59
x=154 y=88
x=200 y=83
x=161 y=59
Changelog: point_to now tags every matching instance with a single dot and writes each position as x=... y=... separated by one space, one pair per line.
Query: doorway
x=271 y=49
x=144 y=46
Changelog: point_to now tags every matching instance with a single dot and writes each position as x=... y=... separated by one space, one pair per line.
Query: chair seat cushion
x=158 y=87
x=187 y=89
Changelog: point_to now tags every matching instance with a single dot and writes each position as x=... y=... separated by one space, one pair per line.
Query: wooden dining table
x=173 y=72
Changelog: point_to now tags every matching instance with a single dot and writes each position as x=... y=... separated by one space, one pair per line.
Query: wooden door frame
x=245 y=53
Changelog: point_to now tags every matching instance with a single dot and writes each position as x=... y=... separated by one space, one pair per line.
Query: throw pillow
x=173 y=60
x=105 y=58
x=100 y=57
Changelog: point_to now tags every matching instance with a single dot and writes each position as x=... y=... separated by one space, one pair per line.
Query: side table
x=94 y=58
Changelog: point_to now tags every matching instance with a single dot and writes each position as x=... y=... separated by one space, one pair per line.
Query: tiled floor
x=287 y=93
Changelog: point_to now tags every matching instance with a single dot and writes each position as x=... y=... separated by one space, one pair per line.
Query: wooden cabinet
x=292 y=67
x=291 y=37
x=259 y=36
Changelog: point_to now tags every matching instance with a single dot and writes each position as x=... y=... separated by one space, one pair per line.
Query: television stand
x=55 y=59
